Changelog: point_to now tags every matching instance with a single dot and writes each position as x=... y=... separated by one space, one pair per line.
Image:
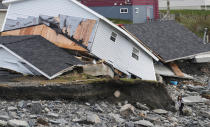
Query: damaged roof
x=40 y=54
x=168 y=39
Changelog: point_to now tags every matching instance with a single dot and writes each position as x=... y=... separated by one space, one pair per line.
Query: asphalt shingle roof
x=41 y=53
x=168 y=39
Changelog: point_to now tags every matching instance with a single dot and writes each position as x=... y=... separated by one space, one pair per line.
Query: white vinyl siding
x=47 y=7
x=120 y=53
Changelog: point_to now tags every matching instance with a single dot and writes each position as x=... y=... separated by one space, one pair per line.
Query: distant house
x=137 y=11
x=107 y=41
x=3 y=11
x=185 y=4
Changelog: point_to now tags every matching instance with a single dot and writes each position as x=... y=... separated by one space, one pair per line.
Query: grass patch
x=120 y=21
x=194 y=20
x=188 y=12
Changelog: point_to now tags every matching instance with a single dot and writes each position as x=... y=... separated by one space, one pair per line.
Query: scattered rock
x=127 y=109
x=141 y=106
x=117 y=118
x=11 y=108
x=4 y=117
x=129 y=124
x=205 y=114
x=117 y=94
x=54 y=115
x=36 y=108
x=3 y=123
x=160 y=111
x=187 y=111
x=192 y=99
x=195 y=88
x=21 y=104
x=18 y=123
x=144 y=123
x=42 y=122
x=93 y=118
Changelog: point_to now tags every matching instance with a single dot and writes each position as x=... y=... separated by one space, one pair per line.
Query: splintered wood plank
x=44 y=32
x=78 y=32
x=51 y=35
x=38 y=29
x=91 y=24
x=64 y=42
x=176 y=69
x=28 y=31
x=13 y=32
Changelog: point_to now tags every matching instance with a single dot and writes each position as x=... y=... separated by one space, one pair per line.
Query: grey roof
x=2 y=6
x=41 y=53
x=168 y=39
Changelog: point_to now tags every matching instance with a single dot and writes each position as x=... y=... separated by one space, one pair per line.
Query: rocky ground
x=102 y=113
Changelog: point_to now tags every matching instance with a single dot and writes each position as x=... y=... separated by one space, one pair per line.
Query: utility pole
x=168 y=9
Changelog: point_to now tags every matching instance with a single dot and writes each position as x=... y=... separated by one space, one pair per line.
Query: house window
x=113 y=36
x=136 y=10
x=123 y=10
x=135 y=53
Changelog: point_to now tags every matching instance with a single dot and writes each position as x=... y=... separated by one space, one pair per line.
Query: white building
x=3 y=11
x=185 y=4
x=110 y=43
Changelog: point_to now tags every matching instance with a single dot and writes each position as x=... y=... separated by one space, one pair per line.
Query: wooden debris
x=176 y=69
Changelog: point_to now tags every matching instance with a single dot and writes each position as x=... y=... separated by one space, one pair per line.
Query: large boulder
x=160 y=111
x=144 y=123
x=93 y=118
x=17 y=123
x=192 y=100
x=127 y=109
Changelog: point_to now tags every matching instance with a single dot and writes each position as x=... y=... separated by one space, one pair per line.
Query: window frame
x=122 y=12
x=136 y=10
x=113 y=36
x=135 y=53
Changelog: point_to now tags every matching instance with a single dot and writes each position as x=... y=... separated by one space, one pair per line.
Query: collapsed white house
x=110 y=43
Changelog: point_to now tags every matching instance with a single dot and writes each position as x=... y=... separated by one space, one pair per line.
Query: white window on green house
x=123 y=10
x=135 y=53
x=113 y=36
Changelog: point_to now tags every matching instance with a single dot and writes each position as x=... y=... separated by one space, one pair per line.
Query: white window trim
x=136 y=10
x=123 y=12
x=135 y=53
x=114 y=37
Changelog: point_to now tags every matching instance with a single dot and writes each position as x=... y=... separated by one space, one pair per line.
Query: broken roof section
x=39 y=55
x=65 y=31
x=168 y=40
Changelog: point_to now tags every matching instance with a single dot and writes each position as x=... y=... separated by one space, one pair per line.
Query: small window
x=136 y=10
x=123 y=10
x=113 y=36
x=135 y=53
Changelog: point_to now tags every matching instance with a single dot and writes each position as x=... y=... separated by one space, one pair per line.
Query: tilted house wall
x=118 y=53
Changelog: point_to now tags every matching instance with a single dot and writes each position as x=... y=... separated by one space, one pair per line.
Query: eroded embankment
x=153 y=94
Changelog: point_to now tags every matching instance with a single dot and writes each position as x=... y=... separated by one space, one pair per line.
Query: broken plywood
x=176 y=69
x=49 y=34
x=78 y=29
